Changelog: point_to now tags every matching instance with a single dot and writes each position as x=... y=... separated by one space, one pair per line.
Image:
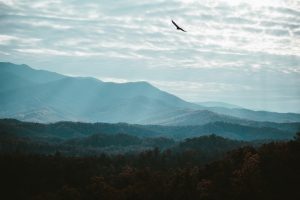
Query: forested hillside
x=69 y=130
x=269 y=172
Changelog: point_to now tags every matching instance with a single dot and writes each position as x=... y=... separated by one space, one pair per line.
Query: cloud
x=43 y=51
x=5 y=39
x=14 y=40
x=45 y=24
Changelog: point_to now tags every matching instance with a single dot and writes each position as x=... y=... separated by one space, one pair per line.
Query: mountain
x=256 y=115
x=37 y=95
x=194 y=117
x=217 y=104
x=240 y=112
x=20 y=76
x=41 y=96
x=70 y=130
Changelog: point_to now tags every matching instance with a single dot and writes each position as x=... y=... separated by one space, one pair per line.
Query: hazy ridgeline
x=42 y=96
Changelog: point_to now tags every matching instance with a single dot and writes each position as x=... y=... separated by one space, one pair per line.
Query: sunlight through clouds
x=225 y=41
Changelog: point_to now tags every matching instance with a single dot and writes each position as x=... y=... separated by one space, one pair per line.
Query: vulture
x=178 y=27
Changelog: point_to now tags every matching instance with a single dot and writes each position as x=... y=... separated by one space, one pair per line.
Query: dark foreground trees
x=269 y=172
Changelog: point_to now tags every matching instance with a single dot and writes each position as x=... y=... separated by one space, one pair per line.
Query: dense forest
x=270 y=171
x=68 y=160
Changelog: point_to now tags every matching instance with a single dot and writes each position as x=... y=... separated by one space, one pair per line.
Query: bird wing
x=182 y=29
x=175 y=24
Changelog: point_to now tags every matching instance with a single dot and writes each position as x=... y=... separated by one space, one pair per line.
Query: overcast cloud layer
x=236 y=51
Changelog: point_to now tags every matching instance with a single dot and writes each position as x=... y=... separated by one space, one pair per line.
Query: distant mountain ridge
x=69 y=130
x=37 y=95
x=41 y=96
x=240 y=112
x=257 y=115
x=217 y=104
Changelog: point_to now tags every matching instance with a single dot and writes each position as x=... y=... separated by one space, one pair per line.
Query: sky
x=244 y=52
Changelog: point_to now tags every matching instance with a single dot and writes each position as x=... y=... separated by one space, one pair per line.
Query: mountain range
x=34 y=95
x=70 y=130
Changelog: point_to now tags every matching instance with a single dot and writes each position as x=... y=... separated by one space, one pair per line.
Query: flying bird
x=178 y=27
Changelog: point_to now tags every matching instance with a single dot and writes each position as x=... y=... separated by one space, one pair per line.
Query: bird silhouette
x=178 y=27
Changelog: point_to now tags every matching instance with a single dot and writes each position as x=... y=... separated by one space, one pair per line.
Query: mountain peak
x=38 y=95
x=51 y=97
